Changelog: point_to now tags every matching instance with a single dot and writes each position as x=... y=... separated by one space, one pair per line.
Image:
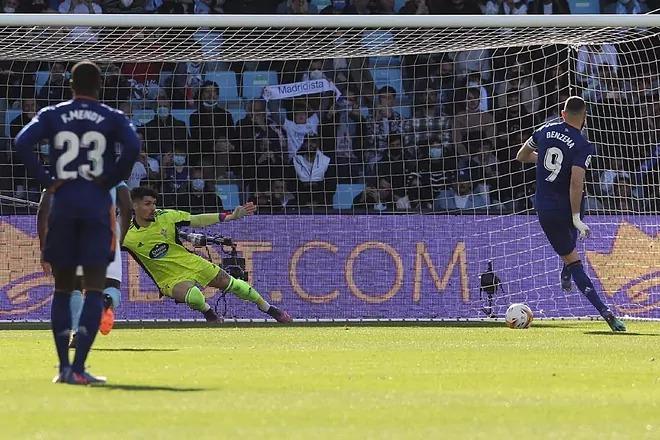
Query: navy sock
x=87 y=329
x=565 y=272
x=583 y=282
x=60 y=319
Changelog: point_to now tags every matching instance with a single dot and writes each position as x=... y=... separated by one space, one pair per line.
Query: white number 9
x=552 y=162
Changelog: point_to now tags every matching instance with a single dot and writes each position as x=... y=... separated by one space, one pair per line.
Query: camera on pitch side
x=231 y=262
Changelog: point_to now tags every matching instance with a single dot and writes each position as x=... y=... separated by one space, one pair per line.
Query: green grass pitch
x=555 y=380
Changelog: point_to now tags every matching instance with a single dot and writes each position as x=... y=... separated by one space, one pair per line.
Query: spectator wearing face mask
x=175 y=175
x=210 y=122
x=57 y=88
x=163 y=131
x=10 y=6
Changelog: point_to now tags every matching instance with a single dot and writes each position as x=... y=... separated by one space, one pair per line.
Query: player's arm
x=124 y=205
x=576 y=188
x=25 y=141
x=201 y=220
x=42 y=224
x=527 y=153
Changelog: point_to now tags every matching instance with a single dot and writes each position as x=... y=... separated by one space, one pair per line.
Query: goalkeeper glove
x=582 y=228
x=238 y=213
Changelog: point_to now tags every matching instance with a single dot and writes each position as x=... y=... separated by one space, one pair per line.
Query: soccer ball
x=519 y=316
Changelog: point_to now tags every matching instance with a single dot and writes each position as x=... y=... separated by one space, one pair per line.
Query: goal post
x=380 y=151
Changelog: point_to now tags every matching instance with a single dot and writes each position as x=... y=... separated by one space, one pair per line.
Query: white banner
x=283 y=91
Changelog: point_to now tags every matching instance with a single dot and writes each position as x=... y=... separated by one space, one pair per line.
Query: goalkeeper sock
x=583 y=282
x=76 y=305
x=247 y=293
x=195 y=300
x=89 y=326
x=60 y=318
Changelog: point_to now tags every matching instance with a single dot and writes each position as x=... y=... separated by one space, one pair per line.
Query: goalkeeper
x=179 y=274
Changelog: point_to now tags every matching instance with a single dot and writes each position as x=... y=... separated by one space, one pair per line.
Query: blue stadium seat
x=345 y=194
x=226 y=81
x=254 y=83
x=398 y=4
x=40 y=79
x=10 y=115
x=388 y=77
x=320 y=4
x=142 y=116
x=229 y=194
x=584 y=7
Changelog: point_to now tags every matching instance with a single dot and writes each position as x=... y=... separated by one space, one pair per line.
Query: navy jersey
x=560 y=147
x=82 y=136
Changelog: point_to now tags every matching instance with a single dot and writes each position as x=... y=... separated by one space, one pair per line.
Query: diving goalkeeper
x=179 y=274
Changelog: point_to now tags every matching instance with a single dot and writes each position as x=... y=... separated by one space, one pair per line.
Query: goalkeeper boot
x=85 y=378
x=279 y=315
x=62 y=376
x=615 y=323
x=107 y=317
x=211 y=316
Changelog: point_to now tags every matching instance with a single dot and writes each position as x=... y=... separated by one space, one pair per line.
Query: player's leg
x=189 y=293
x=96 y=248
x=562 y=236
x=93 y=282
x=583 y=282
x=59 y=252
x=60 y=317
x=559 y=235
x=112 y=294
x=565 y=279
x=111 y=299
x=246 y=292
x=76 y=303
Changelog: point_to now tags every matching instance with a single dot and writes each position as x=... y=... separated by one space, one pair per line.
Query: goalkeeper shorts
x=205 y=273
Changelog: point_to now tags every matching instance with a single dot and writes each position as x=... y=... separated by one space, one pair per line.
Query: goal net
x=380 y=151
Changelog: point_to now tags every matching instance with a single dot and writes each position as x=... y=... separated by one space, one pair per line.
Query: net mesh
x=331 y=130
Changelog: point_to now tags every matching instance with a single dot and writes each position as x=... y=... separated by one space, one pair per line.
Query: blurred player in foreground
x=83 y=168
x=179 y=274
x=562 y=155
x=120 y=196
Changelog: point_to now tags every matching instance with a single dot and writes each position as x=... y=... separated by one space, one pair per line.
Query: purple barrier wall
x=379 y=267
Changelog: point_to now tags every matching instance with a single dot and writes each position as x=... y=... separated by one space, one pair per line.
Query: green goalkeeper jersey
x=160 y=253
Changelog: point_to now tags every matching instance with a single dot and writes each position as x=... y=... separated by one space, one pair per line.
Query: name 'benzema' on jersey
x=568 y=140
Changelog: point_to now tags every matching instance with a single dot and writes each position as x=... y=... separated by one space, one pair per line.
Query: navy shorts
x=72 y=241
x=558 y=227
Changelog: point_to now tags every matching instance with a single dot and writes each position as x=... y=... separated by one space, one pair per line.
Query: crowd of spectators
x=443 y=139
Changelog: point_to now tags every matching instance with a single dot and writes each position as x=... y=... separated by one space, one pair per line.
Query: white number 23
x=70 y=142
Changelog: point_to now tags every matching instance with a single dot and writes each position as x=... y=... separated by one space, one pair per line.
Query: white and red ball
x=519 y=316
